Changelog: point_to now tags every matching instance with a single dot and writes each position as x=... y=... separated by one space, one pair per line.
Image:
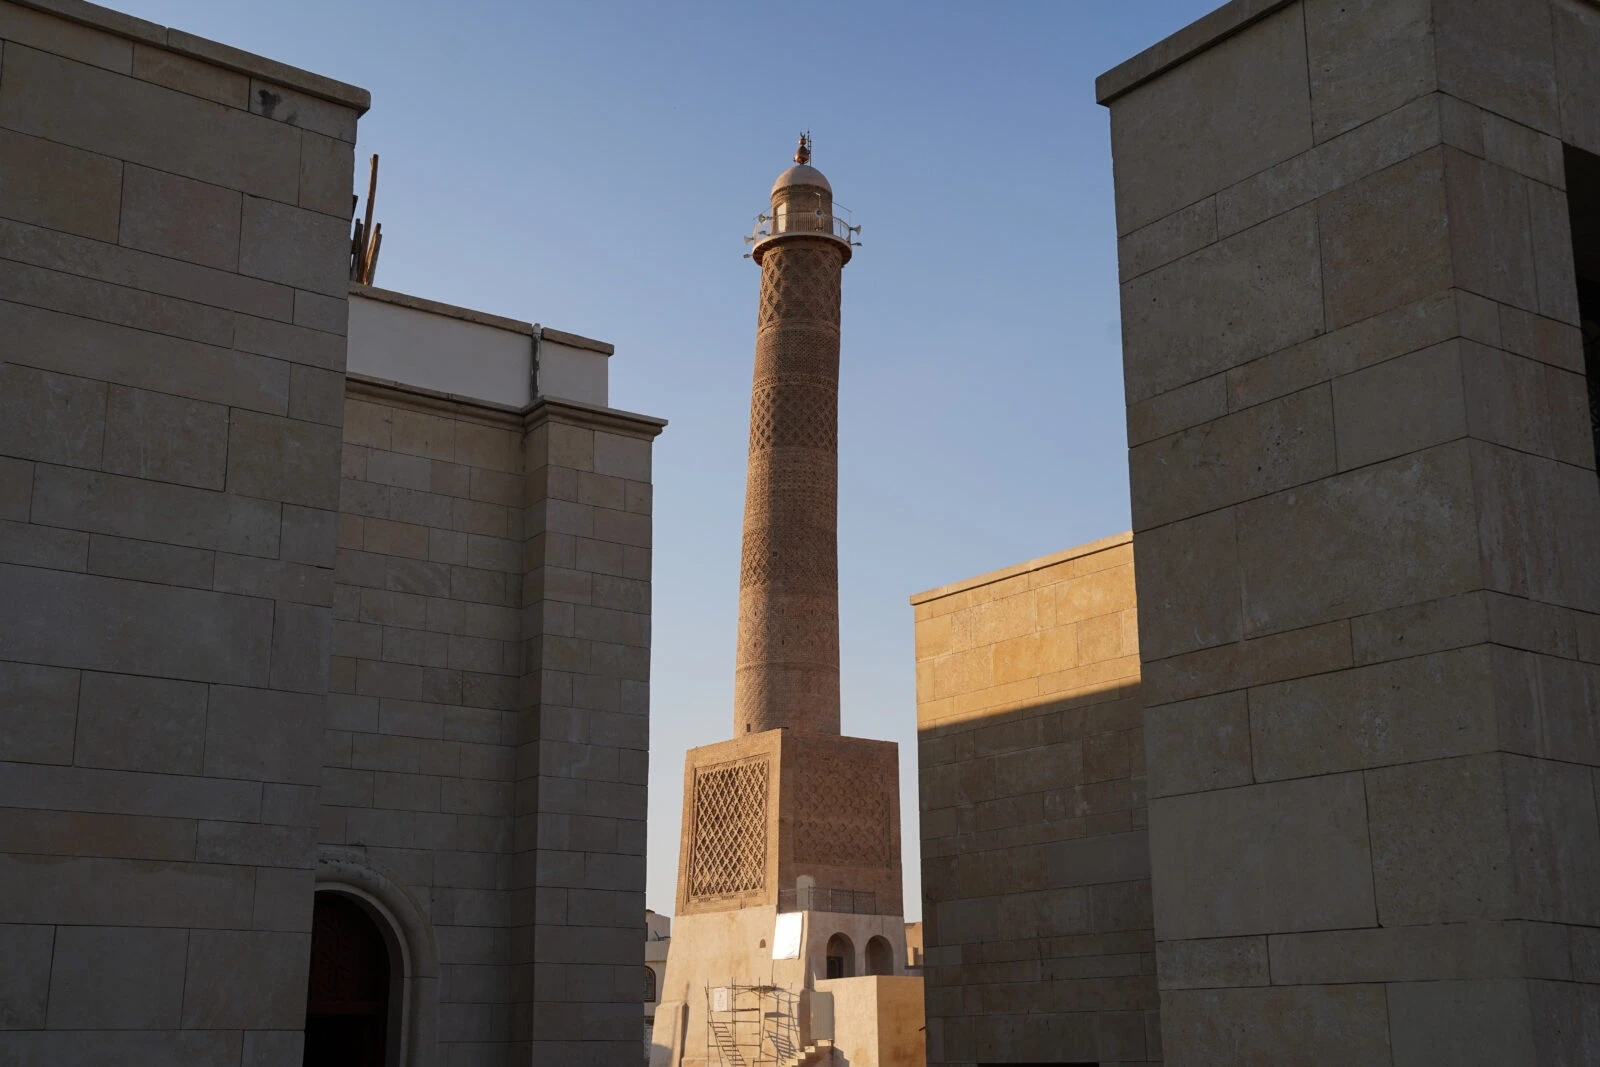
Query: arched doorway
x=347 y=998
x=841 y=955
x=880 y=956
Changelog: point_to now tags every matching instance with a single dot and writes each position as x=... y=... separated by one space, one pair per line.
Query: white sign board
x=786 y=936
x=720 y=998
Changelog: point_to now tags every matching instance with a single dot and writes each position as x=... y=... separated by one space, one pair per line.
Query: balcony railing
x=794 y=219
x=839 y=901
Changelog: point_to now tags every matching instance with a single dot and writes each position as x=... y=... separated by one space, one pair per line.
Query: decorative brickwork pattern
x=764 y=564
x=807 y=287
x=730 y=830
x=808 y=496
x=840 y=827
x=795 y=415
x=788 y=652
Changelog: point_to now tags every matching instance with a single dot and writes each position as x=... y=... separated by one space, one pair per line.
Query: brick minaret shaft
x=788 y=655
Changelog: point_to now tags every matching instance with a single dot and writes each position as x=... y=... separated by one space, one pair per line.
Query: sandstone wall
x=1035 y=869
x=584 y=734
x=173 y=249
x=427 y=665
x=488 y=734
x=1369 y=536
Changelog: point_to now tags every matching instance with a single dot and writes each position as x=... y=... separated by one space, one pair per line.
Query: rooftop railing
x=839 y=901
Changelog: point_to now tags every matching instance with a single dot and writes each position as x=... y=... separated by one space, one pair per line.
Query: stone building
x=1359 y=249
x=324 y=647
x=1035 y=863
x=789 y=936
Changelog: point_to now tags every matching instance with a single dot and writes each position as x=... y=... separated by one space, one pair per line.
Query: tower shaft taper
x=788 y=654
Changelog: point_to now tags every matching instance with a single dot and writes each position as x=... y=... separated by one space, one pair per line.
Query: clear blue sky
x=593 y=166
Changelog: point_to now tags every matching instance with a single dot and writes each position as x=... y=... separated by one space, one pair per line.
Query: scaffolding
x=752 y=1025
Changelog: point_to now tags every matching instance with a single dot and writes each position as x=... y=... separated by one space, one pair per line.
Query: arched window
x=880 y=956
x=649 y=985
x=841 y=957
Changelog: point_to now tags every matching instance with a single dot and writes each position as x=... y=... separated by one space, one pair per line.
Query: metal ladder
x=726 y=1045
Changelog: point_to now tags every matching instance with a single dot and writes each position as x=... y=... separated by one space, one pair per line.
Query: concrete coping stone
x=1015 y=569
x=435 y=307
x=1199 y=35
x=187 y=44
x=506 y=415
x=573 y=340
x=482 y=318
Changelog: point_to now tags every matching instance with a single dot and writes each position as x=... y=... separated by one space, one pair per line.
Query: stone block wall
x=427 y=665
x=172 y=294
x=1035 y=863
x=582 y=758
x=1368 y=528
x=488 y=734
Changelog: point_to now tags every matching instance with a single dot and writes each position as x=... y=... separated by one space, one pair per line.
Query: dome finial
x=802 y=155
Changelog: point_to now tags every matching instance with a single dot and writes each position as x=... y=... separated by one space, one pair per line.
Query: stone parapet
x=206 y=53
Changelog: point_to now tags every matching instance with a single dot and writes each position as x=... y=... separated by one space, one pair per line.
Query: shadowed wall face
x=173 y=262
x=1369 y=534
x=788 y=651
x=1035 y=867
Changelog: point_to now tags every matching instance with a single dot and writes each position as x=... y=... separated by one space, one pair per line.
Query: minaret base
x=778 y=829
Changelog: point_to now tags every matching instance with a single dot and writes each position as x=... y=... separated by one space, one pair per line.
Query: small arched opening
x=841 y=957
x=351 y=986
x=880 y=956
x=411 y=1015
x=649 y=985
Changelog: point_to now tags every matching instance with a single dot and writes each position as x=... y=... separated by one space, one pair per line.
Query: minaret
x=787 y=673
x=789 y=859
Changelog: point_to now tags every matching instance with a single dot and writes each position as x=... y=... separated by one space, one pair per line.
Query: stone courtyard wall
x=488 y=731
x=427 y=665
x=1368 y=529
x=230 y=677
x=1035 y=864
x=173 y=249
x=584 y=734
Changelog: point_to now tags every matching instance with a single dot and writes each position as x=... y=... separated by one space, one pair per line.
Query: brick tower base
x=777 y=823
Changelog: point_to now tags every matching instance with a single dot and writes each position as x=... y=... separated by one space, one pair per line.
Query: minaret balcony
x=803 y=222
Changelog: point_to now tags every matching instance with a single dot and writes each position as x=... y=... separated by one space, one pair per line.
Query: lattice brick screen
x=729 y=853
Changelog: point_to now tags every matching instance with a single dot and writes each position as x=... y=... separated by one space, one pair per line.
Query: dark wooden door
x=347 y=1000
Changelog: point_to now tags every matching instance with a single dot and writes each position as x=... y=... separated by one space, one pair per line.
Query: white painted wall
x=573 y=373
x=449 y=354
x=438 y=352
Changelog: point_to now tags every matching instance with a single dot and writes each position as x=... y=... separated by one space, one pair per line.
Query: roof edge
x=1201 y=34
x=436 y=307
x=1089 y=549
x=482 y=318
x=215 y=52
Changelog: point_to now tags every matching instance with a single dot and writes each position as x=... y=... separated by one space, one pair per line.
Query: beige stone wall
x=489 y=731
x=878 y=1021
x=488 y=734
x=584 y=734
x=172 y=305
x=1364 y=497
x=427 y=664
x=1035 y=868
